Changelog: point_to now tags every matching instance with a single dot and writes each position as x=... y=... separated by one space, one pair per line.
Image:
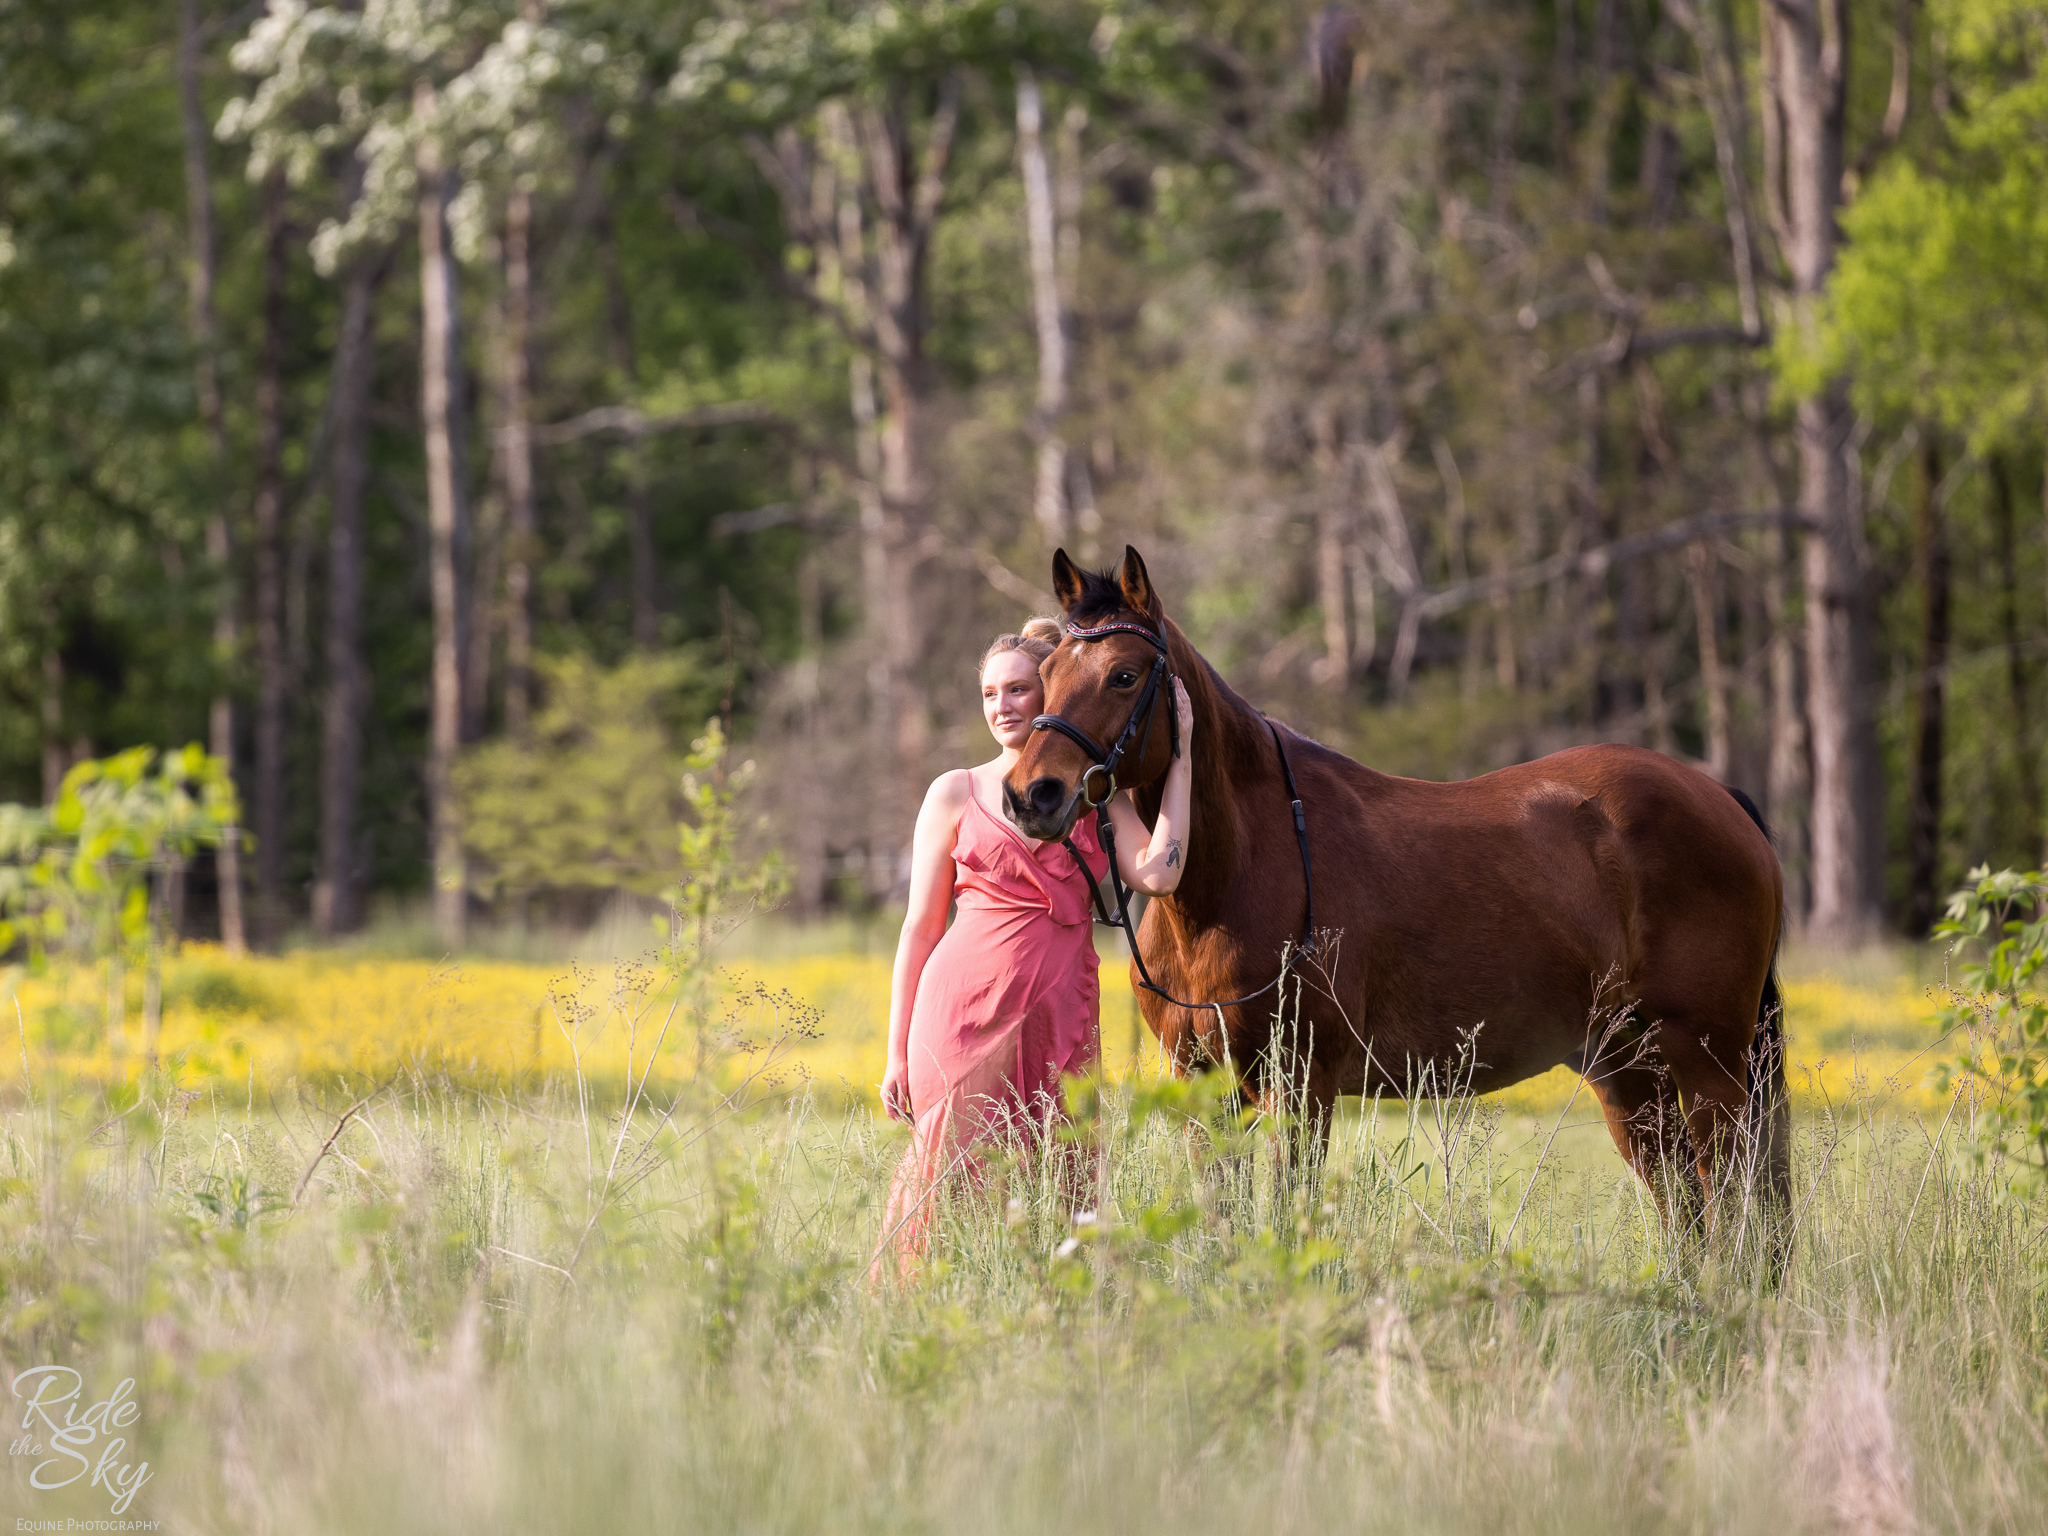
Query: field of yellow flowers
x=1859 y=1026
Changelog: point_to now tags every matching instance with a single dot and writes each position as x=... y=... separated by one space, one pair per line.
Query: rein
x=1106 y=764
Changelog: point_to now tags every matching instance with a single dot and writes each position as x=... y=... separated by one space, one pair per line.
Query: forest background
x=442 y=408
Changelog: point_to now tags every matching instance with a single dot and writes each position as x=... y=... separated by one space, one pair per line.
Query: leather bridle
x=1106 y=764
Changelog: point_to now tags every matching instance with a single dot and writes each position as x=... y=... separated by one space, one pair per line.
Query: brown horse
x=1602 y=883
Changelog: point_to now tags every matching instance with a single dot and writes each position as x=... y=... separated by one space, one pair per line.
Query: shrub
x=587 y=801
x=1999 y=924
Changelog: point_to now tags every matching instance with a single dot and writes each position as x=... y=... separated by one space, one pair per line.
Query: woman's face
x=1011 y=696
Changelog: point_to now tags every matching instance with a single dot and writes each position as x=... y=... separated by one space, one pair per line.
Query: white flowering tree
x=442 y=107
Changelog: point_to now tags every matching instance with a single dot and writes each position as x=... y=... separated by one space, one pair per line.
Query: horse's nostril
x=1046 y=795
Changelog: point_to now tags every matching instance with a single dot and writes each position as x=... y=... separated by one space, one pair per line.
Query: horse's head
x=1104 y=688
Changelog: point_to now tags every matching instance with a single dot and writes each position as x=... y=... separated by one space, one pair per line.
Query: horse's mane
x=1101 y=595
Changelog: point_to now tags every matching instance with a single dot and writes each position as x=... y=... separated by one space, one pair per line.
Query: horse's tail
x=1770 y=1103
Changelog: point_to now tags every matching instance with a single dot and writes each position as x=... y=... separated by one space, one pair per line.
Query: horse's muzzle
x=1045 y=811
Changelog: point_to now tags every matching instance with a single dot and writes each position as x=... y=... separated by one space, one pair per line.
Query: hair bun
x=1051 y=631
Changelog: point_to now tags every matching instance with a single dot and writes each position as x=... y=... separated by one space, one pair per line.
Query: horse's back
x=1518 y=896
x=1674 y=823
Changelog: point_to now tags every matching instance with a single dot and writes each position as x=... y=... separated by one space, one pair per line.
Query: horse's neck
x=1232 y=746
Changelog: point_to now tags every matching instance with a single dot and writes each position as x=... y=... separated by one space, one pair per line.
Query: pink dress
x=1008 y=1002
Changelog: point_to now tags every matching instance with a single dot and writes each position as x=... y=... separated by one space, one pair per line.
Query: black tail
x=1770 y=1104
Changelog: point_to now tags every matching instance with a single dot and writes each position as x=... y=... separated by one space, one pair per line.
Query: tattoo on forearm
x=1172 y=852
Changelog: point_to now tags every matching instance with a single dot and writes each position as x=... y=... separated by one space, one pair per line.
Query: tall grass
x=1466 y=1319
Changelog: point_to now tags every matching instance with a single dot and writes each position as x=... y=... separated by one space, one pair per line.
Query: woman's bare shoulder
x=949 y=791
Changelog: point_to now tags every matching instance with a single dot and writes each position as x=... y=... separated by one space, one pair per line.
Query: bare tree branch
x=938 y=153
x=630 y=422
x=1626 y=345
x=1600 y=559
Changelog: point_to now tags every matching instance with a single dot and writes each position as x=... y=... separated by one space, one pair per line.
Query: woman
x=986 y=1016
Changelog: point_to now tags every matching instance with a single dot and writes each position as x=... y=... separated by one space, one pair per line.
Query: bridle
x=1106 y=764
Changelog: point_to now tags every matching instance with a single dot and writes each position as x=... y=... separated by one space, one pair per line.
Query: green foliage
x=2001 y=922
x=1243 y=277
x=1939 y=305
x=234 y=1199
x=96 y=406
x=589 y=799
x=721 y=886
x=79 y=872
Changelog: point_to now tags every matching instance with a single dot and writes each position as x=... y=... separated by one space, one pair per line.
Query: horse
x=1605 y=907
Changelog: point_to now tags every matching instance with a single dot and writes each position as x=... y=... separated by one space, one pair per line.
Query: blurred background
x=441 y=410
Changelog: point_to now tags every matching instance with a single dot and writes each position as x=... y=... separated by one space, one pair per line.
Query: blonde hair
x=1037 y=639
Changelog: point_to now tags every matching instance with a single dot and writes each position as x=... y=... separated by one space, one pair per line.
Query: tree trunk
x=1931 y=567
x=437 y=374
x=1049 y=499
x=1701 y=571
x=479 y=617
x=1839 y=695
x=1610 y=88
x=646 y=584
x=515 y=447
x=2031 y=769
x=1789 y=784
x=2026 y=768
x=219 y=548
x=1564 y=84
x=1070 y=188
x=1333 y=516
x=1809 y=44
x=267 y=518
x=1723 y=93
x=52 y=709
x=811 y=812
x=848 y=249
x=335 y=894
x=907 y=187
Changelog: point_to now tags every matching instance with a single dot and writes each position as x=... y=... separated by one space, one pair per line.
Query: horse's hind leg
x=1716 y=1102
x=1649 y=1129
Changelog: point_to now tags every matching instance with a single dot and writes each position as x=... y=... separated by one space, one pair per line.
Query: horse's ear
x=1139 y=594
x=1066 y=581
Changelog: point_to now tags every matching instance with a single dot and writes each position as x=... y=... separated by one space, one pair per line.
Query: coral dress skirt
x=1008 y=1002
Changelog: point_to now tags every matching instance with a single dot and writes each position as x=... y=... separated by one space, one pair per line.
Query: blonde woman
x=986 y=1016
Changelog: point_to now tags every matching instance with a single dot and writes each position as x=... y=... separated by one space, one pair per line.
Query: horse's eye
x=1123 y=680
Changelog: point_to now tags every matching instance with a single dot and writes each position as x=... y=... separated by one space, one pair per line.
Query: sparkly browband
x=1114 y=626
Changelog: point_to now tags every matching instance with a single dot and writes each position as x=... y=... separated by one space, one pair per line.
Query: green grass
x=1227 y=1347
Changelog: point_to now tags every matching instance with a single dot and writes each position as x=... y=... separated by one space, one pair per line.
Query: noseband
x=1106 y=764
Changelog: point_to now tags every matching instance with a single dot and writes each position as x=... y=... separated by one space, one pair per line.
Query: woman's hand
x=1185 y=713
x=896 y=1091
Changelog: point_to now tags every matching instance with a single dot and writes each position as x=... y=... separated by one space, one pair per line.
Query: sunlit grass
x=1458 y=1326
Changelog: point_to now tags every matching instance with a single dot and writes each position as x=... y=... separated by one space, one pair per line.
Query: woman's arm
x=924 y=923
x=1152 y=862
